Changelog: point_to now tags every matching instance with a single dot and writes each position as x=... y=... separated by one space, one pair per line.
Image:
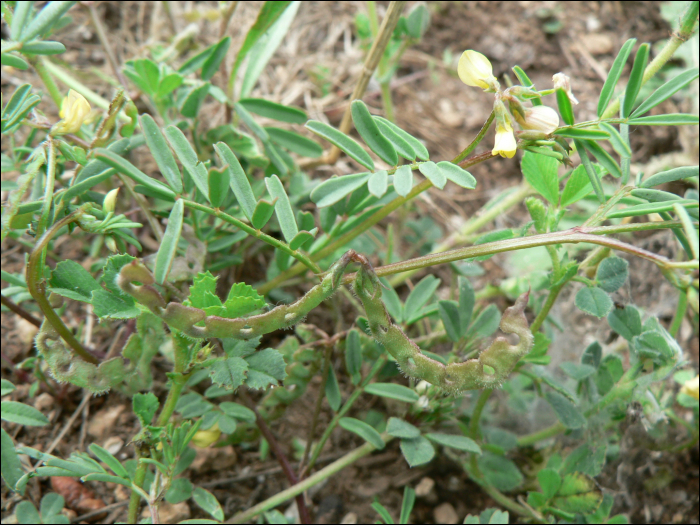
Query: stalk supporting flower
x=475 y=70
x=74 y=110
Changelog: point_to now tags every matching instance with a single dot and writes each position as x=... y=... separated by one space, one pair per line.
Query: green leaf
x=370 y=133
x=401 y=429
x=69 y=279
x=488 y=321
x=420 y=150
x=652 y=207
x=262 y=214
x=145 y=407
x=283 y=207
x=295 y=142
x=265 y=48
x=454 y=441
x=670 y=119
x=392 y=391
x=11 y=466
x=339 y=139
x=46 y=18
x=302 y=238
x=499 y=471
x=363 y=430
x=377 y=183
x=168 y=246
x=526 y=82
x=670 y=175
x=635 y=81
x=616 y=141
x=420 y=295
x=449 y=313
x=108 y=459
x=334 y=189
x=161 y=152
x=188 y=157
x=193 y=101
x=614 y=75
x=417 y=451
x=409 y=495
x=238 y=411
x=180 y=490
x=218 y=53
x=125 y=167
x=583 y=459
x=22 y=16
x=433 y=173
x=457 y=175
x=44 y=47
x=208 y=503
x=27 y=513
x=383 y=513
x=603 y=157
x=275 y=111
x=353 y=356
x=612 y=273
x=51 y=506
x=333 y=390
x=22 y=414
x=401 y=146
x=229 y=372
x=579 y=494
x=268 y=15
x=403 y=180
x=238 y=179
x=567 y=113
x=593 y=301
x=218 y=182
x=7 y=387
x=549 y=481
x=168 y=84
x=593 y=176
x=577 y=371
x=541 y=173
x=7 y=59
x=466 y=303
x=416 y=24
x=580 y=133
x=566 y=411
x=265 y=367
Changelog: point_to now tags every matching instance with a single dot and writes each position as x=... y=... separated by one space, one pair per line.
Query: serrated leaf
x=593 y=301
x=433 y=174
x=392 y=391
x=242 y=299
x=229 y=373
x=110 y=306
x=541 y=173
x=586 y=460
x=454 y=441
x=145 y=407
x=238 y=411
x=577 y=186
x=417 y=451
x=369 y=131
x=401 y=429
x=579 y=494
x=265 y=367
x=339 y=139
x=614 y=75
x=566 y=411
x=363 y=430
x=334 y=189
x=612 y=273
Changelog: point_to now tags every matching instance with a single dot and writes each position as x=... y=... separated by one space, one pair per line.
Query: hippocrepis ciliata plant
x=220 y=188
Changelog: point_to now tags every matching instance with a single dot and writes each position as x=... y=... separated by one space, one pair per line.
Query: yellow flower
x=691 y=387
x=74 y=110
x=505 y=141
x=541 y=118
x=204 y=438
x=475 y=70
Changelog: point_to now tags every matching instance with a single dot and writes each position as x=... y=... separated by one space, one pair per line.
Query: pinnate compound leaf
x=417 y=451
x=579 y=133
x=541 y=173
x=168 y=246
x=336 y=188
x=612 y=273
x=401 y=429
x=566 y=411
x=370 y=133
x=616 y=141
x=454 y=441
x=339 y=139
x=22 y=414
x=46 y=18
x=417 y=146
x=593 y=301
x=614 y=75
x=603 y=157
x=593 y=176
x=262 y=214
x=363 y=430
x=579 y=493
x=392 y=391
x=433 y=173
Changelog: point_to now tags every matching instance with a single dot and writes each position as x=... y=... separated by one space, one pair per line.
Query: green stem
x=474 y=143
x=546 y=307
x=45 y=76
x=304 y=260
x=478 y=409
x=135 y=499
x=387 y=101
x=680 y=313
x=306 y=484
x=379 y=363
x=508 y=503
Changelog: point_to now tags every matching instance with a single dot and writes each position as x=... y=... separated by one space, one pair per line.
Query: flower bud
x=561 y=81
x=505 y=145
x=475 y=70
x=541 y=118
x=111 y=244
x=74 y=110
x=110 y=201
x=691 y=387
x=204 y=438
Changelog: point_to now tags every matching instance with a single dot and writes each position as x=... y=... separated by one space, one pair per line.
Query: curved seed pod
x=501 y=357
